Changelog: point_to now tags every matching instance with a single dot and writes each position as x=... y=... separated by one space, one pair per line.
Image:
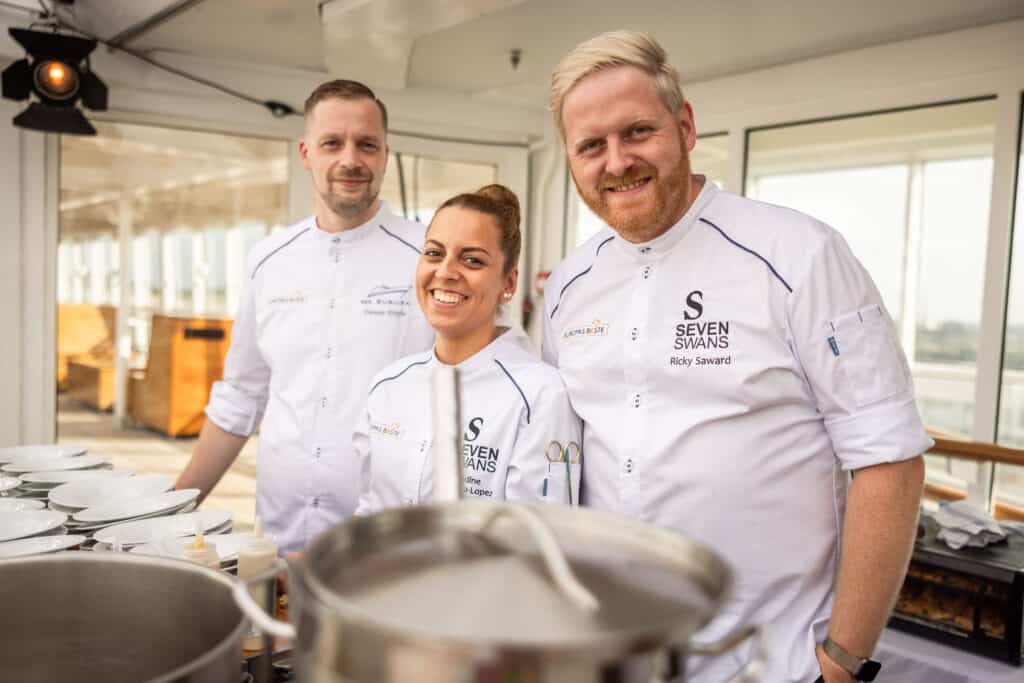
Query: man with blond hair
x=328 y=303
x=733 y=365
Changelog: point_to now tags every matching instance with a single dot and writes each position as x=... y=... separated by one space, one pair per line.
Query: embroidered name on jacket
x=387 y=300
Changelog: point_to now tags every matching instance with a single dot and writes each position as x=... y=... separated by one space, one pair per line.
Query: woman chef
x=520 y=437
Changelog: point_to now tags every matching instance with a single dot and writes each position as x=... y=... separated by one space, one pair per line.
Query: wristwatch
x=860 y=669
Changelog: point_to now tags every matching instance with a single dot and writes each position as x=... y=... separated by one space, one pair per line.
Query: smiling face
x=628 y=154
x=460 y=278
x=344 y=150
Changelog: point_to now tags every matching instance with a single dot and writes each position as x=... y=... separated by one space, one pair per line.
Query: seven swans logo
x=695 y=334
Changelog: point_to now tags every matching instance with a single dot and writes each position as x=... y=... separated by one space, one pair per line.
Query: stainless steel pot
x=478 y=591
x=81 y=616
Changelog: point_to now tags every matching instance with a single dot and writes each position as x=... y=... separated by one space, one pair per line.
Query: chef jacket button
x=316 y=502
x=644 y=250
x=328 y=352
x=323 y=401
x=629 y=466
x=634 y=333
x=636 y=400
x=647 y=272
x=317 y=452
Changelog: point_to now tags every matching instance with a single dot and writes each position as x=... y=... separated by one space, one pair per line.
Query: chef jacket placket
x=327 y=391
x=636 y=350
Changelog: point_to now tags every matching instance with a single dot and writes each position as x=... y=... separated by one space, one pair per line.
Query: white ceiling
x=464 y=45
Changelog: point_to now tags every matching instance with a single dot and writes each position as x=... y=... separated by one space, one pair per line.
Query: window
x=1009 y=479
x=416 y=185
x=195 y=204
x=910 y=192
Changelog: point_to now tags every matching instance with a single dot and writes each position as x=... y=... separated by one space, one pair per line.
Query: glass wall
x=193 y=204
x=416 y=185
x=1009 y=479
x=910 y=191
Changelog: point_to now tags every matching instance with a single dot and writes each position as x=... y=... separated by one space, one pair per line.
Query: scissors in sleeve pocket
x=570 y=454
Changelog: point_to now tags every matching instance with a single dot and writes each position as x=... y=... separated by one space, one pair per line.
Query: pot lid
x=466 y=575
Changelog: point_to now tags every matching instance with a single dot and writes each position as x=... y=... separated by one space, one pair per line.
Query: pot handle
x=755 y=667
x=253 y=610
x=553 y=556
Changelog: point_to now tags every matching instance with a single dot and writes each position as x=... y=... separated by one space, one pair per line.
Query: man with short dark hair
x=328 y=303
x=732 y=363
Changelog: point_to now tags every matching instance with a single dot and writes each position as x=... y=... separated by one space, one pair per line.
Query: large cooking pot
x=492 y=591
x=117 y=618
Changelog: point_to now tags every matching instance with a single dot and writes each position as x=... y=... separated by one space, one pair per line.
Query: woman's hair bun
x=505 y=199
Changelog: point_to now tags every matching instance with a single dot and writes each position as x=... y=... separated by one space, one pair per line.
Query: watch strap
x=861 y=669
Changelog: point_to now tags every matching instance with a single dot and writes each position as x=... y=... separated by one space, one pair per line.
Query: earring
x=507 y=296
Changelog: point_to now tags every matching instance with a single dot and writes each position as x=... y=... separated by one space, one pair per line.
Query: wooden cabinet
x=186 y=356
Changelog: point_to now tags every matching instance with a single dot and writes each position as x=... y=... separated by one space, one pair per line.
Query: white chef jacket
x=512 y=407
x=321 y=314
x=727 y=373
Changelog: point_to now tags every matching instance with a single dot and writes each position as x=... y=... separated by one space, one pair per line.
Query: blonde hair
x=501 y=204
x=612 y=49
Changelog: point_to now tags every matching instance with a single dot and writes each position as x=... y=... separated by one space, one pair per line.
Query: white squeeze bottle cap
x=258 y=543
x=202 y=552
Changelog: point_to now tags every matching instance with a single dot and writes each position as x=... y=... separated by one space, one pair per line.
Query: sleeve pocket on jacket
x=869 y=356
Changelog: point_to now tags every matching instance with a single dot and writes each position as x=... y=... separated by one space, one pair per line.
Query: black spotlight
x=57 y=73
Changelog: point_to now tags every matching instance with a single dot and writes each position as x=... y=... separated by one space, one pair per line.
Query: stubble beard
x=670 y=200
x=352 y=207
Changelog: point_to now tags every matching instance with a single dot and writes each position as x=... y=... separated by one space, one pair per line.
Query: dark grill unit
x=972 y=598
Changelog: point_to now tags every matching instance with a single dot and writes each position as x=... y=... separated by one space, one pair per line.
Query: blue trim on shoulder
x=267 y=257
x=751 y=252
x=578 y=276
x=406 y=369
x=418 y=251
x=518 y=388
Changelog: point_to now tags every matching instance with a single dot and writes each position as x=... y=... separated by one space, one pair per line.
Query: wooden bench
x=90 y=381
x=186 y=356
x=85 y=332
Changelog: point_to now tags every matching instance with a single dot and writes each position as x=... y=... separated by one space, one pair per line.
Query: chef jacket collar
x=357 y=233
x=479 y=360
x=664 y=242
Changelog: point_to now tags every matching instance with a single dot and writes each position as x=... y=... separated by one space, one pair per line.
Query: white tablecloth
x=910 y=659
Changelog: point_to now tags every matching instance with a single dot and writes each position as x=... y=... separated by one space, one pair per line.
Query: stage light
x=57 y=74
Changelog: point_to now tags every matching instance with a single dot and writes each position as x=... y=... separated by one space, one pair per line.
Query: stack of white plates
x=96 y=491
x=55 y=464
x=227 y=546
x=39 y=545
x=29 y=523
x=156 y=529
x=130 y=509
x=44 y=452
x=9 y=485
x=39 y=484
x=20 y=504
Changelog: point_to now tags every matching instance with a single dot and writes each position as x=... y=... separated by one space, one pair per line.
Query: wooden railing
x=979 y=452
